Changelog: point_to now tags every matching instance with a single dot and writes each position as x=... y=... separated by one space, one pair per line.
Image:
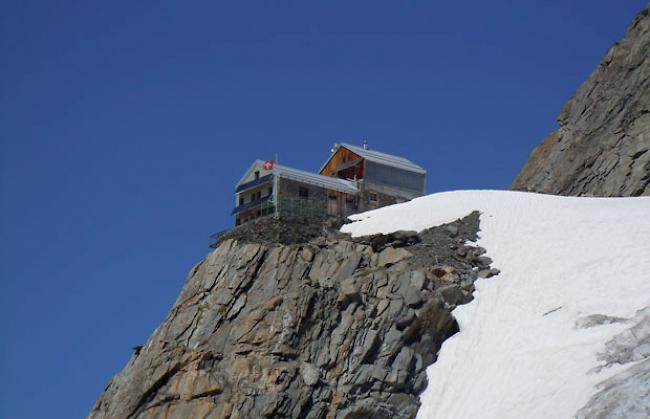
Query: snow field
x=519 y=353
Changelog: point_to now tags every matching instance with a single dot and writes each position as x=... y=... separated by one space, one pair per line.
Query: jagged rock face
x=625 y=395
x=333 y=328
x=601 y=147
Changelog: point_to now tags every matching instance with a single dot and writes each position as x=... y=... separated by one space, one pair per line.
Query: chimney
x=365 y=143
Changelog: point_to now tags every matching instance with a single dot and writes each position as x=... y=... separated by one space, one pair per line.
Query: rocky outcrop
x=282 y=229
x=331 y=328
x=626 y=394
x=602 y=145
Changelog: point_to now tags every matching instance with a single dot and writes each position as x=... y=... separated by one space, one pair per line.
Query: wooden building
x=353 y=179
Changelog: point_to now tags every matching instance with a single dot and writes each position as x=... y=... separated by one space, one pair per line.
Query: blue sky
x=124 y=126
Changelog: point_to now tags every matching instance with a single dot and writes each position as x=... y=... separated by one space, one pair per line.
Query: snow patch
x=562 y=260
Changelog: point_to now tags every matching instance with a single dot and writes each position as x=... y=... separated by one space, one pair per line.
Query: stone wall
x=365 y=204
x=282 y=229
x=290 y=203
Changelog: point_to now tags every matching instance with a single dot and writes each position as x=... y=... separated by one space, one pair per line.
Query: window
x=303 y=192
x=241 y=200
x=373 y=197
x=257 y=175
x=270 y=191
x=258 y=195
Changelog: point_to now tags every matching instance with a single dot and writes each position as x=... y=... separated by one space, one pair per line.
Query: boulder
x=391 y=255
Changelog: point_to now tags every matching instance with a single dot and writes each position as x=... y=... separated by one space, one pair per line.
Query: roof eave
x=334 y=150
x=332 y=183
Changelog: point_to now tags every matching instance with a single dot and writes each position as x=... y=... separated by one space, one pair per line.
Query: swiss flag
x=268 y=165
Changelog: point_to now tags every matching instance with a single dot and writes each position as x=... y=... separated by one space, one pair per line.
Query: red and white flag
x=268 y=165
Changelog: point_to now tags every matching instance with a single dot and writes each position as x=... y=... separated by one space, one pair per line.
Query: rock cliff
x=601 y=145
x=333 y=327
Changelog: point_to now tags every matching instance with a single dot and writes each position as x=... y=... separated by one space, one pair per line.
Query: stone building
x=353 y=179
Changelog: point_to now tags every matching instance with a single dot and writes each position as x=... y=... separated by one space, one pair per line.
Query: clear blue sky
x=124 y=126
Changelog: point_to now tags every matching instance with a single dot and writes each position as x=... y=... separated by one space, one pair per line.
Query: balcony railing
x=251 y=204
x=254 y=183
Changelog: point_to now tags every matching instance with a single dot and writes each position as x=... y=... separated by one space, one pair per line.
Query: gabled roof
x=256 y=164
x=336 y=184
x=327 y=182
x=379 y=158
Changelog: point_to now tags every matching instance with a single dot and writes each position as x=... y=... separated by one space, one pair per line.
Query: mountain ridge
x=601 y=145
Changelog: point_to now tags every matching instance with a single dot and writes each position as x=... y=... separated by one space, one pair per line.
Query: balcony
x=254 y=183
x=251 y=204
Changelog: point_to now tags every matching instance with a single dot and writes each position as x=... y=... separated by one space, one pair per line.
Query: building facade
x=353 y=179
